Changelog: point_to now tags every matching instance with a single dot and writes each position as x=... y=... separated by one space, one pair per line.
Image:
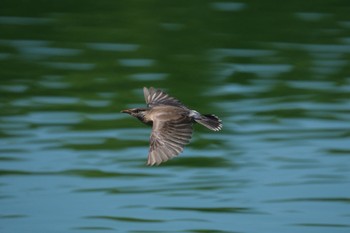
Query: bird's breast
x=145 y=119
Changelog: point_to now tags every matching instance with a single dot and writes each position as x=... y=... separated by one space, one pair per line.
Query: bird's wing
x=168 y=139
x=155 y=97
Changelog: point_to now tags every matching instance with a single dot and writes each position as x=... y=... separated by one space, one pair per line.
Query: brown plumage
x=171 y=124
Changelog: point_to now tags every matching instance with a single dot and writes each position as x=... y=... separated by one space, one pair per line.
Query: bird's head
x=135 y=112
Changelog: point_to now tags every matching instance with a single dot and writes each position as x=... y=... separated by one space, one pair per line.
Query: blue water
x=277 y=74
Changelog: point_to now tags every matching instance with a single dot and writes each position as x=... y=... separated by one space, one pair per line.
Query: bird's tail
x=210 y=121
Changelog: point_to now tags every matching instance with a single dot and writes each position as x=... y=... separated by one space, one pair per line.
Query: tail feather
x=210 y=121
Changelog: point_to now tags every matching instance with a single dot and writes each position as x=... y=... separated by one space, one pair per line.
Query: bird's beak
x=126 y=111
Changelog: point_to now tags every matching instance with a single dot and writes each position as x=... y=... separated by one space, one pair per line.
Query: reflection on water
x=277 y=74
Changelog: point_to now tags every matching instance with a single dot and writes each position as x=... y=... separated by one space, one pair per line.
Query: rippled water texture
x=276 y=72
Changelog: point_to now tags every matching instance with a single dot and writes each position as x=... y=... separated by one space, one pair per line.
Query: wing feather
x=167 y=140
x=155 y=97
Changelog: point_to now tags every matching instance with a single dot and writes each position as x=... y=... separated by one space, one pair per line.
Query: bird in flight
x=172 y=124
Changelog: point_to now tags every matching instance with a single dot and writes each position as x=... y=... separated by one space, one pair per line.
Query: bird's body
x=171 y=124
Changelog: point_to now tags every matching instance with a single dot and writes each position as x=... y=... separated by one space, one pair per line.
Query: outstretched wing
x=155 y=97
x=168 y=139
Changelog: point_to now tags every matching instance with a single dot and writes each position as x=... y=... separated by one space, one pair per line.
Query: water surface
x=277 y=73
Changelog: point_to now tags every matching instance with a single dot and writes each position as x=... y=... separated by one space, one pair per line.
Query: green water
x=276 y=72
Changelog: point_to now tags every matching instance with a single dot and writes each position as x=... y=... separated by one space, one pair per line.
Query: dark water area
x=276 y=72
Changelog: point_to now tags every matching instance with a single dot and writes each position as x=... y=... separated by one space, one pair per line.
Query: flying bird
x=172 y=124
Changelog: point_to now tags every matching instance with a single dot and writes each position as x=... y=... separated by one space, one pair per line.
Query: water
x=276 y=73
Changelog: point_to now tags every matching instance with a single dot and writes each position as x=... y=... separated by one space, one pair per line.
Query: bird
x=172 y=124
